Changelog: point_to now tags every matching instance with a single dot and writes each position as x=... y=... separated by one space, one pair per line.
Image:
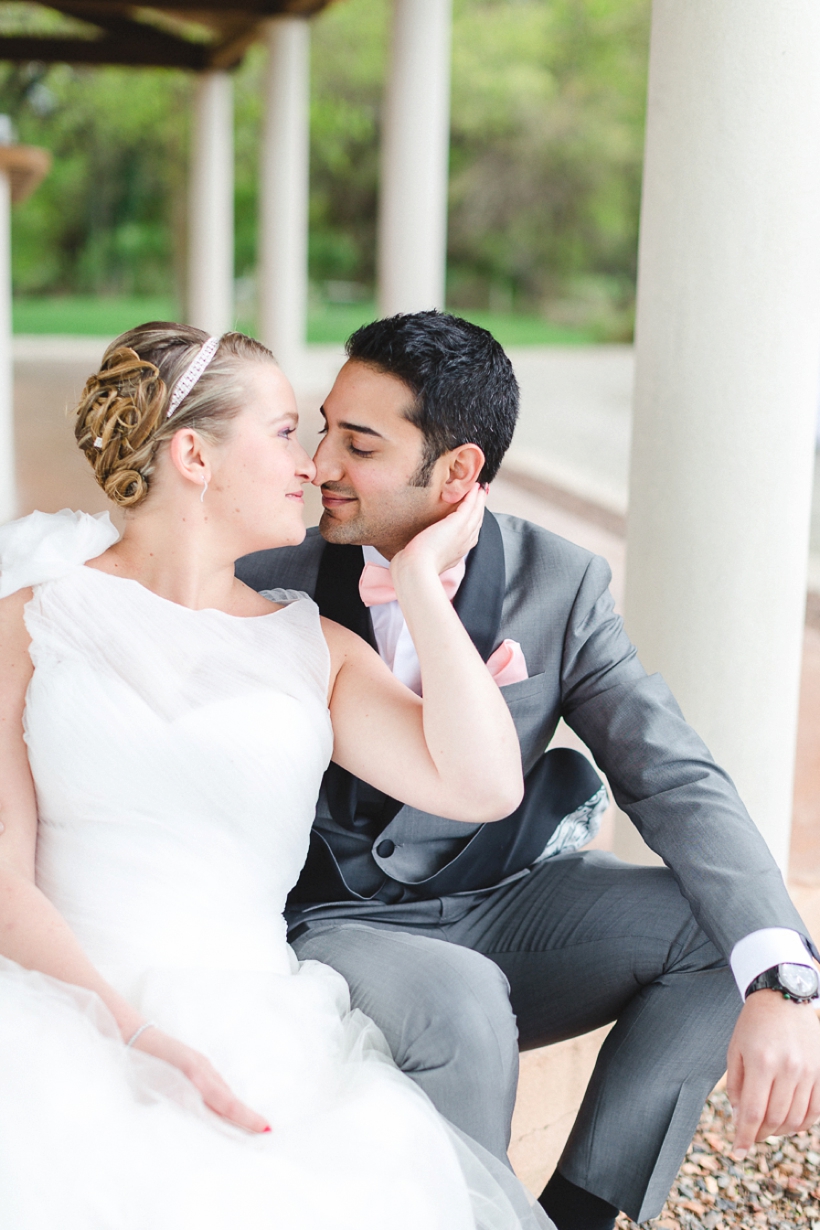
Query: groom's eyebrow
x=357 y=427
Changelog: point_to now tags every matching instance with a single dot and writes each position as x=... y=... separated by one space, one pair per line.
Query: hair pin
x=98 y=443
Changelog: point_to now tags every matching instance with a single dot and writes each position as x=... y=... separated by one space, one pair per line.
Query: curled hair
x=122 y=414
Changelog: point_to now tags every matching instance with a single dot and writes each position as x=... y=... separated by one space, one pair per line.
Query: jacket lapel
x=337 y=589
x=480 y=596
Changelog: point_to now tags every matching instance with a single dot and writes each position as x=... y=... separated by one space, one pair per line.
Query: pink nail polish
x=267 y=1129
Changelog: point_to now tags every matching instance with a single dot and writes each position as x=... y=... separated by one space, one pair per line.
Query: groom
x=450 y=935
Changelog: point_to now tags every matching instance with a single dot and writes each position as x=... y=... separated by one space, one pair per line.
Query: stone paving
x=776 y=1186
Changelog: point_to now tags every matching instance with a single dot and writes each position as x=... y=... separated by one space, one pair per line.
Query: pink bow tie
x=376 y=584
x=506 y=664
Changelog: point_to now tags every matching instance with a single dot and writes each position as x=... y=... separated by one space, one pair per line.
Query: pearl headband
x=189 y=377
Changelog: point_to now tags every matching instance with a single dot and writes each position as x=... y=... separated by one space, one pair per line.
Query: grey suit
x=581 y=938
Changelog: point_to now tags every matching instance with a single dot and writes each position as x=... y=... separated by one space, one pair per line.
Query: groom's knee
x=440 y=1006
x=446 y=1015
x=460 y=1015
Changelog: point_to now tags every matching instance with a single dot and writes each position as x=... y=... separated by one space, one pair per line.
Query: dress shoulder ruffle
x=287 y=595
x=45 y=546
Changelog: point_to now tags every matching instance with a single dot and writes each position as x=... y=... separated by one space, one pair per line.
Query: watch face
x=799 y=980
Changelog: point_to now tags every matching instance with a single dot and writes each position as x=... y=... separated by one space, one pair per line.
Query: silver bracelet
x=137 y=1032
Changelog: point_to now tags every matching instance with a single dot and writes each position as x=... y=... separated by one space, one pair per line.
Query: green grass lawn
x=519 y=329
x=327 y=322
x=334 y=322
x=88 y=314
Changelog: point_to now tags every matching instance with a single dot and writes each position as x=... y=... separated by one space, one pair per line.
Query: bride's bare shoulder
x=12 y=607
x=345 y=648
x=107 y=561
x=342 y=643
x=349 y=650
x=15 y=663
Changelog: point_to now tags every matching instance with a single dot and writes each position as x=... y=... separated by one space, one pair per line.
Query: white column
x=412 y=238
x=211 y=188
x=728 y=355
x=8 y=485
x=283 y=204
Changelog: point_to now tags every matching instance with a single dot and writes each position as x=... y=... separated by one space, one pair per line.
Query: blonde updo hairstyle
x=124 y=405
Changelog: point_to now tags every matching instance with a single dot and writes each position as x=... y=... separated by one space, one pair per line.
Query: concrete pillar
x=283 y=198
x=8 y=486
x=211 y=189
x=412 y=238
x=727 y=362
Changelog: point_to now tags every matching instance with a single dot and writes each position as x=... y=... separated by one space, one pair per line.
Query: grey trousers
x=459 y=983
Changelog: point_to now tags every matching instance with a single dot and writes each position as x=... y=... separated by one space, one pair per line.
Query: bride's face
x=258 y=471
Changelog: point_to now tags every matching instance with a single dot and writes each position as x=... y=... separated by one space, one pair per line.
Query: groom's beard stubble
x=388 y=525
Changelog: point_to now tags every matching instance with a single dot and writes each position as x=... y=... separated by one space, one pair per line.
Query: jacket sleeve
x=662 y=775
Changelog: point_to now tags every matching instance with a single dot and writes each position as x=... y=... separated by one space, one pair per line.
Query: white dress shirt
x=393 y=638
x=755 y=953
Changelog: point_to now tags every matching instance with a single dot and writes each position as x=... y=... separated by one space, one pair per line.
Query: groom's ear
x=462 y=467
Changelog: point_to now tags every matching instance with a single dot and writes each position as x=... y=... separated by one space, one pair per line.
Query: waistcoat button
x=385 y=848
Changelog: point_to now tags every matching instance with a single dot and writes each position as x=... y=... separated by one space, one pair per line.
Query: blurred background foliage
x=547 y=142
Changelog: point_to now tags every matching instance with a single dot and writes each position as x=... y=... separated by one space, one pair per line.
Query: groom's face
x=368 y=460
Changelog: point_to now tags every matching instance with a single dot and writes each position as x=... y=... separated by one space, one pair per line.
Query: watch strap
x=770 y=980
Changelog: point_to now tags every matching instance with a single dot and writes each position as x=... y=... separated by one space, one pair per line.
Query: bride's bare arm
x=457 y=754
x=32 y=932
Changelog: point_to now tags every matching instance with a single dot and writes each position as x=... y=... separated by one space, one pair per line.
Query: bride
x=165 y=1062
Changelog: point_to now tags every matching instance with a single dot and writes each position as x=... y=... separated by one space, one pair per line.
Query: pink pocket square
x=507 y=664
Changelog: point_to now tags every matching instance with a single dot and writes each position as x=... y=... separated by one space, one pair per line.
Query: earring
x=204 y=489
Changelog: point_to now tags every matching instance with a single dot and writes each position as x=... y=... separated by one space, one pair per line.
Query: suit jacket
x=528 y=585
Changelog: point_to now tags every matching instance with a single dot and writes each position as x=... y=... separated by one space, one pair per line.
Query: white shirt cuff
x=770 y=946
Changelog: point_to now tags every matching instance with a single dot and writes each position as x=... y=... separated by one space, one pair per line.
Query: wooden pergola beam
x=126 y=39
x=252 y=9
x=136 y=52
x=233 y=32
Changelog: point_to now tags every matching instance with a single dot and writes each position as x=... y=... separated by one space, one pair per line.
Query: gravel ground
x=777 y=1186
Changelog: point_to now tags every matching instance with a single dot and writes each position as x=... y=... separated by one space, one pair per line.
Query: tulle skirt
x=97 y=1137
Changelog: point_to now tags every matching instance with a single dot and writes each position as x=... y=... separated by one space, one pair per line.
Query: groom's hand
x=773 y=1069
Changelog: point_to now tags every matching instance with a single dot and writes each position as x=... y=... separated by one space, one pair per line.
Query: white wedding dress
x=177 y=756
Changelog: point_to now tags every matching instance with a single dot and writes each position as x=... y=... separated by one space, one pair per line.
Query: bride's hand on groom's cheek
x=447 y=541
x=215 y=1093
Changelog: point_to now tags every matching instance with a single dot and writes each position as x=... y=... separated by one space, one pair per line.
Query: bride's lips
x=298 y=496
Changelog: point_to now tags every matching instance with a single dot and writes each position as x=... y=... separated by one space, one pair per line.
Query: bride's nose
x=305 y=469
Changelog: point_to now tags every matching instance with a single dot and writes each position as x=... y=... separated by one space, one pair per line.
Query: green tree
x=107 y=217
x=547 y=135
x=547 y=143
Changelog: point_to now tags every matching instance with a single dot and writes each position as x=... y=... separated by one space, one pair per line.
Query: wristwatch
x=796 y=982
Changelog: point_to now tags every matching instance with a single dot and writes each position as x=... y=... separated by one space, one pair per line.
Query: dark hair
x=464 y=388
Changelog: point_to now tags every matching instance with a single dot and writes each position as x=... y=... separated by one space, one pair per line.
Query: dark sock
x=571 y=1208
